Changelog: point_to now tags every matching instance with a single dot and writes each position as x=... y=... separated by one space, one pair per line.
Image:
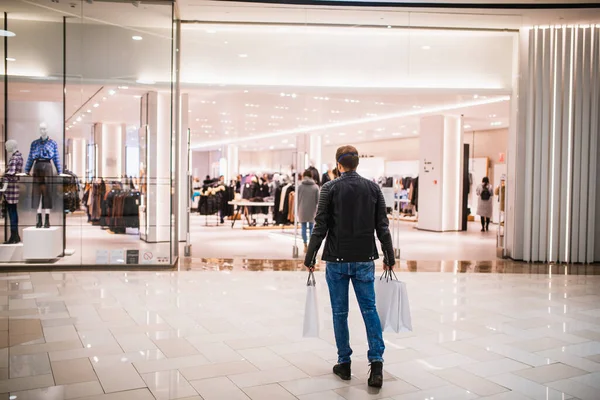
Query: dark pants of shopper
x=13 y=216
x=362 y=275
x=485 y=223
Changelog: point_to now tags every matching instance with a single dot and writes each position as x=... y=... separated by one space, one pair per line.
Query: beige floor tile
x=65 y=392
x=3 y=324
x=73 y=371
x=23 y=304
x=475 y=352
x=218 y=389
x=135 y=342
x=96 y=337
x=25 y=339
x=263 y=358
x=218 y=352
x=3 y=339
x=471 y=382
x=25 y=327
x=535 y=345
x=588 y=334
x=46 y=348
x=27 y=383
x=495 y=367
x=303 y=386
x=29 y=365
x=176 y=347
x=168 y=385
x=85 y=352
x=60 y=333
x=254 y=342
x=310 y=363
x=118 y=378
x=271 y=392
x=414 y=373
x=528 y=388
x=145 y=367
x=267 y=377
x=4 y=374
x=389 y=389
x=550 y=373
x=449 y=392
x=217 y=370
x=576 y=389
x=126 y=358
x=327 y=395
x=137 y=394
x=113 y=314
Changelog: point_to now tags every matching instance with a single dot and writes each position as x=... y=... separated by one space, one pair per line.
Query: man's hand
x=311 y=269
x=387 y=267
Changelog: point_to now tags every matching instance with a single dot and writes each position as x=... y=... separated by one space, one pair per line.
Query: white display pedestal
x=11 y=252
x=42 y=243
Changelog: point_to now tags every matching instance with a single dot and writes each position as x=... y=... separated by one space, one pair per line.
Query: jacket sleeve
x=382 y=227
x=320 y=229
x=29 y=163
x=56 y=158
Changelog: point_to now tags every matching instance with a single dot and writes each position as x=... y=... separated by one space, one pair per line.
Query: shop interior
x=263 y=100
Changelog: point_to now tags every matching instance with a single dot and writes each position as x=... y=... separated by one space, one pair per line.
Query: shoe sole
x=344 y=378
x=377 y=384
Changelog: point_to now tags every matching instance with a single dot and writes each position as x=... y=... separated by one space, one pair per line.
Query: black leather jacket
x=351 y=209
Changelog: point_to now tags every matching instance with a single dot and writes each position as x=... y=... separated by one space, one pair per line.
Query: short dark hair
x=307 y=174
x=486 y=180
x=347 y=156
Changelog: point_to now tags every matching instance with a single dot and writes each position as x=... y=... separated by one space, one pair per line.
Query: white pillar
x=78 y=154
x=315 y=153
x=440 y=176
x=233 y=162
x=184 y=192
x=109 y=137
x=156 y=115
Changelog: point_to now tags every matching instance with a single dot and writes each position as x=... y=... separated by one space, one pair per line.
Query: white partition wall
x=555 y=164
x=440 y=173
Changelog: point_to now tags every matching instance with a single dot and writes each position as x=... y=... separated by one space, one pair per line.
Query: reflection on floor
x=222 y=241
x=235 y=334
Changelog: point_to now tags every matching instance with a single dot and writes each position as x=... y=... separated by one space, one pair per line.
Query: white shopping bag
x=391 y=299
x=311 y=310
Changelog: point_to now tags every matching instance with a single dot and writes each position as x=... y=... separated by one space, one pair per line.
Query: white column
x=440 y=176
x=78 y=152
x=315 y=153
x=232 y=152
x=158 y=199
x=109 y=139
x=184 y=193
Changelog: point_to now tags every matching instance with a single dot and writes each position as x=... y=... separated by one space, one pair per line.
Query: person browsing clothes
x=485 y=207
x=308 y=198
x=351 y=209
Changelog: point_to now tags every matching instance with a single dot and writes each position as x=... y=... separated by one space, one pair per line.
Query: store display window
x=86 y=107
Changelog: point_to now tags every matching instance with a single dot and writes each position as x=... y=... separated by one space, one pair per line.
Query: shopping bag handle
x=311 y=279
x=387 y=274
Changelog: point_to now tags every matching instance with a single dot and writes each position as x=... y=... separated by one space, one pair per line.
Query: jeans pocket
x=365 y=271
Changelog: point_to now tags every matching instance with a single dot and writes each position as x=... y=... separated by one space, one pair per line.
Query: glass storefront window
x=82 y=84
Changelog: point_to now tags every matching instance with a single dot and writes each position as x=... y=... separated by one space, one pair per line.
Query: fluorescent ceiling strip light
x=308 y=129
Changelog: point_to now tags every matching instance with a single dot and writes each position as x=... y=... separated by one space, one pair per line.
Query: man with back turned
x=351 y=209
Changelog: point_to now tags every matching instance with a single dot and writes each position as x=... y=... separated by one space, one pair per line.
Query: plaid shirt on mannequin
x=44 y=149
x=15 y=166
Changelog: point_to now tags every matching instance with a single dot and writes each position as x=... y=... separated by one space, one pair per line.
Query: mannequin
x=43 y=152
x=10 y=189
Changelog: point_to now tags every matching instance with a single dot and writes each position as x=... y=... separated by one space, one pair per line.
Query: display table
x=42 y=243
x=11 y=252
x=240 y=204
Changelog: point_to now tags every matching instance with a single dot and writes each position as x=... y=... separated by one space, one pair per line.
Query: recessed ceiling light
x=496 y=123
x=137 y=96
x=104 y=99
x=136 y=37
x=426 y=47
x=211 y=31
x=475 y=96
x=89 y=111
x=123 y=87
x=7 y=33
x=416 y=107
x=78 y=119
x=271 y=147
x=389 y=27
x=242 y=55
x=492 y=115
x=74 y=122
x=284 y=141
x=96 y=105
x=415 y=132
x=111 y=92
x=10 y=59
x=396 y=134
x=466 y=126
x=197 y=119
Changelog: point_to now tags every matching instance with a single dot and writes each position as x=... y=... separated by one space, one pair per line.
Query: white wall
x=487 y=144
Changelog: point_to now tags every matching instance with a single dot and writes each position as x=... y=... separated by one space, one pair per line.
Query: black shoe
x=482 y=229
x=17 y=238
x=47 y=222
x=39 y=221
x=376 y=374
x=343 y=371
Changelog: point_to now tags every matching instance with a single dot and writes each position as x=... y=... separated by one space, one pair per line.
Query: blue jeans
x=307 y=226
x=362 y=275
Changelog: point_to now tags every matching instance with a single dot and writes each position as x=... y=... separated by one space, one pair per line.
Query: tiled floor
x=236 y=334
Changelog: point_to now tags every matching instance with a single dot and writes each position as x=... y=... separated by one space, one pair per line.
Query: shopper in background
x=485 y=207
x=314 y=173
x=308 y=198
x=350 y=210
